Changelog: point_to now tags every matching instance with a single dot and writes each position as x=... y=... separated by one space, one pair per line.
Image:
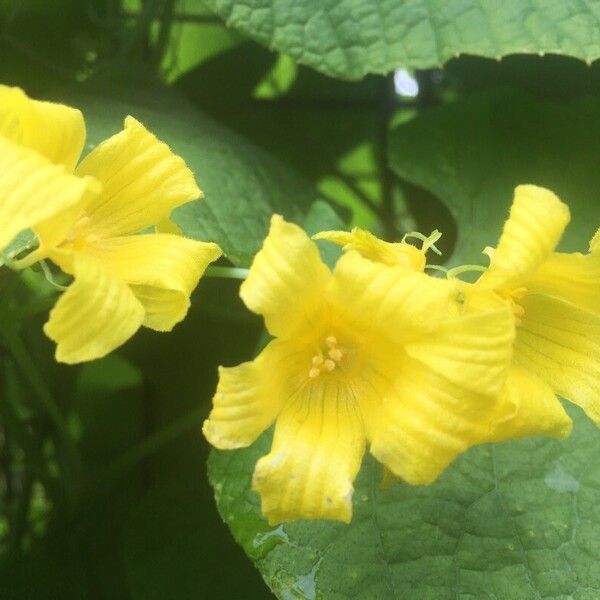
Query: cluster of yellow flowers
x=104 y=221
x=376 y=351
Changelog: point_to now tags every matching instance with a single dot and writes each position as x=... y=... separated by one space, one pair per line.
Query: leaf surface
x=243 y=184
x=350 y=38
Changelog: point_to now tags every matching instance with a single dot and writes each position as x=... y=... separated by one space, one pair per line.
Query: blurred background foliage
x=103 y=488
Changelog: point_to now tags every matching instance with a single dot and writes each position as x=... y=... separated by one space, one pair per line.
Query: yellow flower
x=366 y=353
x=84 y=218
x=554 y=298
x=40 y=143
x=556 y=302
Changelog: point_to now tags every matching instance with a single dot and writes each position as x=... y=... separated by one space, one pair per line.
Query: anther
x=331 y=341
x=317 y=360
x=314 y=373
x=335 y=354
x=329 y=365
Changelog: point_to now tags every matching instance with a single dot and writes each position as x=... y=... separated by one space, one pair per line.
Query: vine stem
x=226 y=272
x=27 y=366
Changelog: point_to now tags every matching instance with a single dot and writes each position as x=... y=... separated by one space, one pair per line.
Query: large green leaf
x=473 y=153
x=350 y=38
x=517 y=521
x=243 y=184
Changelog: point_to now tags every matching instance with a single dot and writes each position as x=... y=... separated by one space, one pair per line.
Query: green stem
x=6 y=261
x=18 y=524
x=27 y=365
x=226 y=272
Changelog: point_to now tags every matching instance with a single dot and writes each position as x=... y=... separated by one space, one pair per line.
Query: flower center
x=78 y=237
x=514 y=297
x=327 y=359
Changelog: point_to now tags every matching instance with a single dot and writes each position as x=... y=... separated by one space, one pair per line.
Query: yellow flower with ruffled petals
x=366 y=353
x=543 y=289
x=556 y=303
x=86 y=217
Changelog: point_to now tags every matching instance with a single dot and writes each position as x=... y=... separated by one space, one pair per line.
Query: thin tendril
x=428 y=241
x=437 y=268
x=453 y=273
x=49 y=277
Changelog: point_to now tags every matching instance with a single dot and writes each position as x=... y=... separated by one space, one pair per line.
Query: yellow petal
x=373 y=248
x=33 y=190
x=425 y=421
x=287 y=279
x=249 y=398
x=162 y=270
x=537 y=221
x=528 y=406
x=143 y=181
x=55 y=131
x=94 y=316
x=560 y=343
x=391 y=301
x=473 y=351
x=317 y=450
x=572 y=277
x=168 y=226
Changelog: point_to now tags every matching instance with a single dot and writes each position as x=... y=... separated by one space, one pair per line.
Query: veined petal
x=573 y=277
x=425 y=421
x=143 y=181
x=55 y=131
x=536 y=223
x=528 y=406
x=317 y=449
x=33 y=190
x=396 y=303
x=371 y=247
x=560 y=343
x=473 y=350
x=287 y=279
x=249 y=398
x=162 y=270
x=94 y=316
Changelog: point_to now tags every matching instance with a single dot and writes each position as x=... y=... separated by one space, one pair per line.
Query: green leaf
x=243 y=185
x=322 y=217
x=351 y=38
x=518 y=520
x=473 y=153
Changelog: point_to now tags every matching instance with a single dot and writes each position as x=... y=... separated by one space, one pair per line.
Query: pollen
x=326 y=360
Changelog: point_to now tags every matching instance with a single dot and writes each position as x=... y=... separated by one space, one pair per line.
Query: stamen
x=335 y=354
x=326 y=363
x=329 y=365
